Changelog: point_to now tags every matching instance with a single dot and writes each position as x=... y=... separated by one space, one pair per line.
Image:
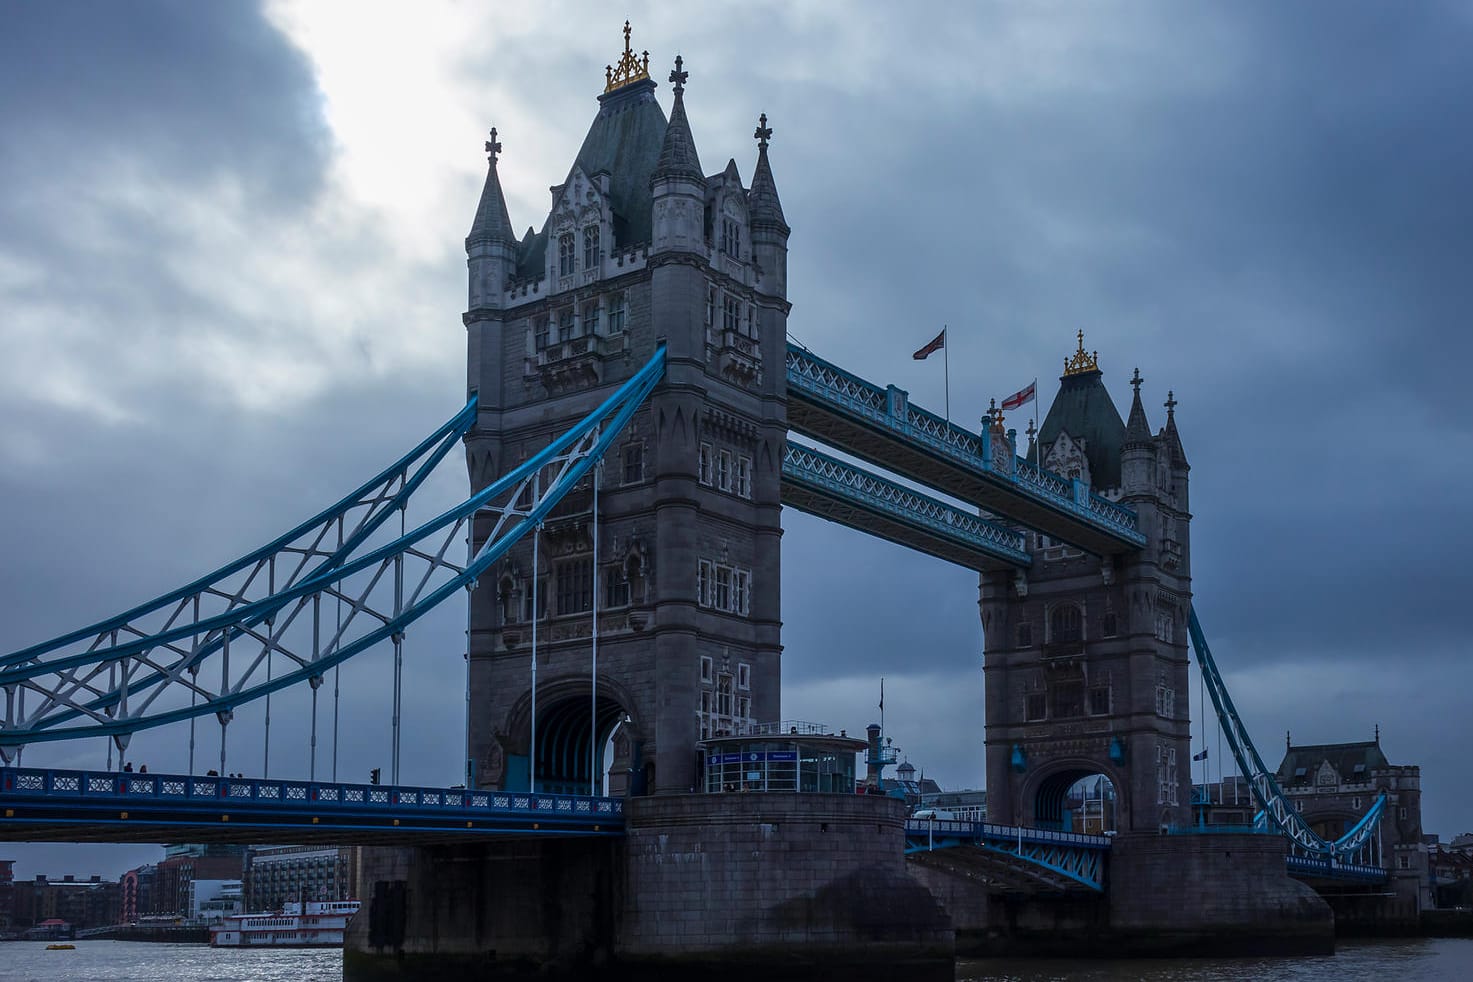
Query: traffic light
x=373 y=776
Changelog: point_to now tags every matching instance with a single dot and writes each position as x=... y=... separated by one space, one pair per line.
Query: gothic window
x=1355 y=803
x=724 y=694
x=565 y=329
x=634 y=463
x=704 y=468
x=507 y=593
x=744 y=476
x=616 y=312
x=1171 y=775
x=590 y=247
x=751 y=320
x=1166 y=701
x=1099 y=700
x=731 y=238
x=741 y=589
x=1036 y=707
x=732 y=314
x=705 y=693
x=704 y=579
x=540 y=328
x=574 y=586
x=1065 y=624
x=744 y=707
x=1025 y=635
x=723 y=470
x=722 y=599
x=590 y=318
x=1108 y=627
x=706 y=668
x=566 y=258
x=616 y=586
x=1068 y=699
x=541 y=592
x=1165 y=626
x=744 y=676
x=711 y=300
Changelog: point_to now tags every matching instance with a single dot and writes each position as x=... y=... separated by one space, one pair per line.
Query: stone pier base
x=715 y=887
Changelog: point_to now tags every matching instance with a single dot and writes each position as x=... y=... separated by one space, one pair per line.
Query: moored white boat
x=321 y=925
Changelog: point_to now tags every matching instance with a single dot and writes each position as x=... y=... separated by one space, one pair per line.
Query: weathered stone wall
x=806 y=885
x=1195 y=894
x=503 y=909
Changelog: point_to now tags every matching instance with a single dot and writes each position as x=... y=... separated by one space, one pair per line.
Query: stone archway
x=1077 y=796
x=572 y=755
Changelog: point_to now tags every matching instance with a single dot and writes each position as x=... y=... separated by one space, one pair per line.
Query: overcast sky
x=232 y=271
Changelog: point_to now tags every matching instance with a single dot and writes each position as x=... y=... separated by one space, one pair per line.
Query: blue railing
x=889 y=409
x=148 y=794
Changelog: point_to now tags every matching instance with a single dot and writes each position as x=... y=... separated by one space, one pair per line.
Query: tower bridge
x=630 y=396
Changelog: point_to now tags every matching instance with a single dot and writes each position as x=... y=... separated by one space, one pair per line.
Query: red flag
x=1020 y=397
x=936 y=345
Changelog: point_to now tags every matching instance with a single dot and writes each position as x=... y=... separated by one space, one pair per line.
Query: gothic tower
x=1086 y=656
x=640 y=248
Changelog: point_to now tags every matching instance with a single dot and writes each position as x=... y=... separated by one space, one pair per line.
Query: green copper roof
x=1084 y=410
x=623 y=141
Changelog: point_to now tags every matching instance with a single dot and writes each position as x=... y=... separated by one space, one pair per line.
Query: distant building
x=915 y=789
x=1333 y=784
x=1450 y=868
x=276 y=875
x=172 y=892
x=211 y=900
x=7 y=895
x=137 y=892
x=92 y=902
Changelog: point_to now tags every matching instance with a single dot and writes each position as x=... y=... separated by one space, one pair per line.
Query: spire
x=1137 y=430
x=762 y=199
x=678 y=153
x=1173 y=438
x=493 y=223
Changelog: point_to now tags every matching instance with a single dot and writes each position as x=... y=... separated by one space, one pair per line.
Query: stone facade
x=1086 y=658
x=640 y=249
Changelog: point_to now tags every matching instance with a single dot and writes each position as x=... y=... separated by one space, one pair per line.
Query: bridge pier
x=1182 y=895
x=729 y=886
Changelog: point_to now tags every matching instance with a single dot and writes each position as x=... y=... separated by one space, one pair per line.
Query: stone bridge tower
x=1086 y=657
x=641 y=247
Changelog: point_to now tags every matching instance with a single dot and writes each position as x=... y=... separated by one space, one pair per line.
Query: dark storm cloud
x=1266 y=208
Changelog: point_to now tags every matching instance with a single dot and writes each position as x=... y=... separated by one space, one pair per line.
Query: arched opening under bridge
x=1077 y=800
x=568 y=731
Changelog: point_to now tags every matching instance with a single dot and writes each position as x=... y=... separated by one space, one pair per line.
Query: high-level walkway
x=878 y=424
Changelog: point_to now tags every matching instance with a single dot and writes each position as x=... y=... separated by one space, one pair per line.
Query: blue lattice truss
x=310 y=600
x=825 y=486
x=1278 y=812
x=1051 y=860
x=55 y=805
x=879 y=425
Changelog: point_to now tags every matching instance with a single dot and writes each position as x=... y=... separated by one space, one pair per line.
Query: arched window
x=566 y=256
x=1066 y=624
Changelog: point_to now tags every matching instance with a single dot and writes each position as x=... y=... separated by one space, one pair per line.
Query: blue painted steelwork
x=830 y=392
x=54 y=804
x=1276 y=808
x=1075 y=856
x=829 y=488
x=114 y=692
x=1326 y=868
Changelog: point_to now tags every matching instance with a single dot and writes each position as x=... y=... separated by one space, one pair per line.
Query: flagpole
x=946 y=374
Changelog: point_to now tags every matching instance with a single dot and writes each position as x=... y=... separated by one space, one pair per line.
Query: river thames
x=1413 y=960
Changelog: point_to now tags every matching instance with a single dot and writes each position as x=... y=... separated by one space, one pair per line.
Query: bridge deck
x=86 y=806
x=879 y=425
x=821 y=485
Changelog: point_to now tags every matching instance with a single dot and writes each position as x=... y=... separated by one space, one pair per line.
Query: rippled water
x=1400 y=960
x=1414 y=960
x=133 y=961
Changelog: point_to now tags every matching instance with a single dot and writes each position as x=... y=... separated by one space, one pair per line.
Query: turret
x=678 y=187
x=769 y=229
x=1137 y=450
x=491 y=247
